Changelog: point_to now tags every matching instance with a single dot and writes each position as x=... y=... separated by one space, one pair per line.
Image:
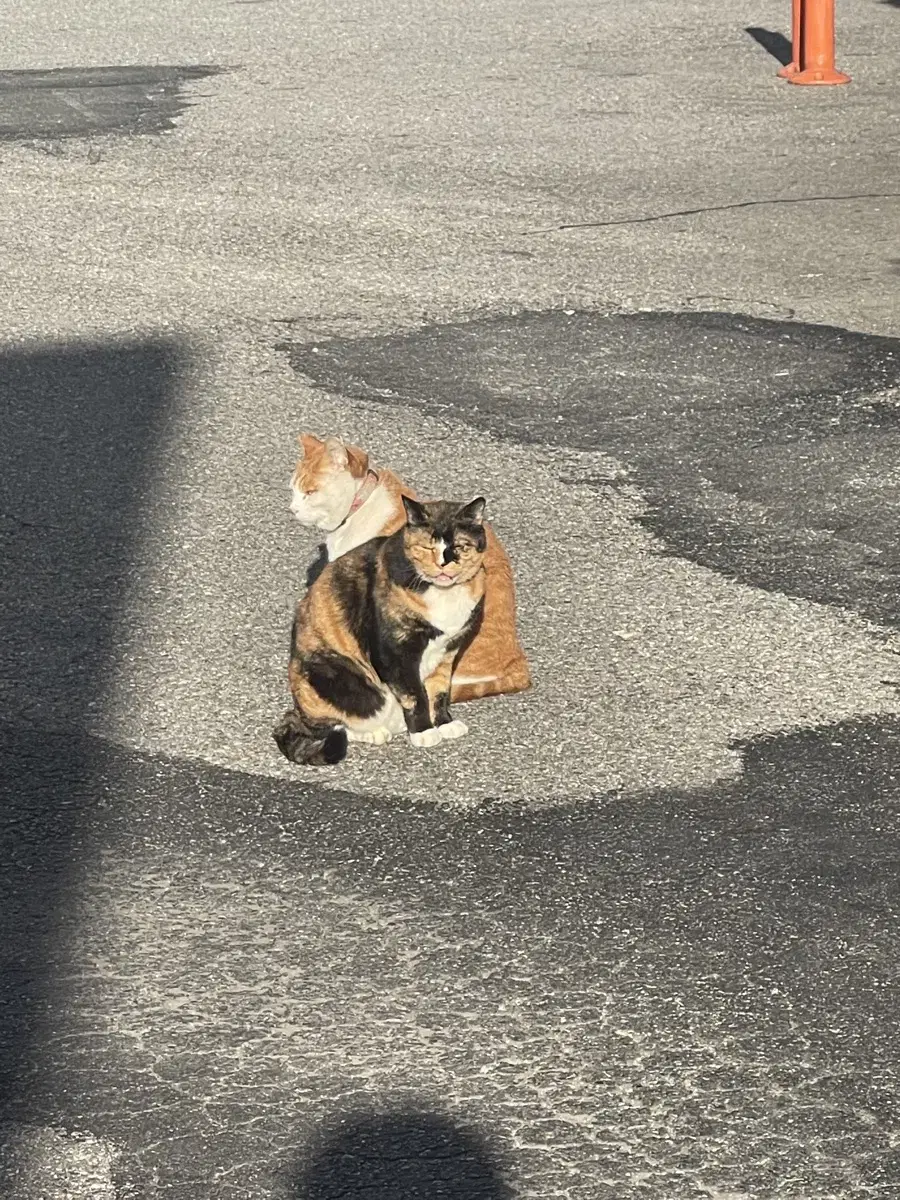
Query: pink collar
x=366 y=489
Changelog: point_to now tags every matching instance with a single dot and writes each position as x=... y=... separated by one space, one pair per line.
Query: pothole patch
x=68 y=102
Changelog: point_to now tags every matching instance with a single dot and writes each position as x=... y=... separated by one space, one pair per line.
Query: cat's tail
x=302 y=741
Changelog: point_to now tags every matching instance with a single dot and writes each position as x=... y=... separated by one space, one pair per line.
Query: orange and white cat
x=335 y=489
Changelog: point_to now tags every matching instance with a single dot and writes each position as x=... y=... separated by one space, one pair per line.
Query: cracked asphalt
x=636 y=936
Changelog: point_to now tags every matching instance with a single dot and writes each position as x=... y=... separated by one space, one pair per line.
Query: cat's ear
x=337 y=452
x=416 y=516
x=357 y=461
x=473 y=512
x=309 y=443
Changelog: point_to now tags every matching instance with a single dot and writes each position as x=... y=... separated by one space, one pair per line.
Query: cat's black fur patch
x=400 y=569
x=353 y=586
x=442 y=709
x=340 y=681
x=395 y=653
x=317 y=566
x=418 y=717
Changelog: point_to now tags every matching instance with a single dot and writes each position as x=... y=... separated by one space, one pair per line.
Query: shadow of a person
x=400 y=1155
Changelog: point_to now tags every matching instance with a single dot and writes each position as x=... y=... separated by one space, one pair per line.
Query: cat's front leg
x=417 y=711
x=437 y=686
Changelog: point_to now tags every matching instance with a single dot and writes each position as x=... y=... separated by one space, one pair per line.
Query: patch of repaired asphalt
x=664 y=994
x=767 y=450
x=65 y=102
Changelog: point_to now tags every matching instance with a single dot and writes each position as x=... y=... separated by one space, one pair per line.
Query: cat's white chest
x=448 y=610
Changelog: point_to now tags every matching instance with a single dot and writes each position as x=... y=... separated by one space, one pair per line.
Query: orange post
x=816 y=44
x=793 y=66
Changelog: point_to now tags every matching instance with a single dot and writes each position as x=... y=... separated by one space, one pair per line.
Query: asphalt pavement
x=635 y=937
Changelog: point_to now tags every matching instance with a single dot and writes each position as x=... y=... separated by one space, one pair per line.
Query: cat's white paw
x=453 y=729
x=371 y=737
x=427 y=737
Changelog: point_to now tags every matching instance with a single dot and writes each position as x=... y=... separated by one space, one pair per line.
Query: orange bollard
x=793 y=66
x=812 y=31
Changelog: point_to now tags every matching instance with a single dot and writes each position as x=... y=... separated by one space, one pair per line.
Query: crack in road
x=692 y=212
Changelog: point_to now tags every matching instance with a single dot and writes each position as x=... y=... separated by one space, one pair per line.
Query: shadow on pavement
x=80 y=425
x=401 y=1155
x=745 y=936
x=776 y=43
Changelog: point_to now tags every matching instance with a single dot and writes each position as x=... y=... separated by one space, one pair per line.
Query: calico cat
x=377 y=635
x=335 y=489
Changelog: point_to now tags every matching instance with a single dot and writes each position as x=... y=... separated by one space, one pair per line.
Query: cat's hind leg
x=343 y=684
x=389 y=720
x=339 y=689
x=370 y=737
